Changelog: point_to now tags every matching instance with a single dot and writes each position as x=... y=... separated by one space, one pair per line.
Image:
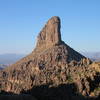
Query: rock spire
x=50 y=34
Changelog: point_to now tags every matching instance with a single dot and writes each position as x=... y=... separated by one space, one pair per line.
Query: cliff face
x=50 y=34
x=52 y=64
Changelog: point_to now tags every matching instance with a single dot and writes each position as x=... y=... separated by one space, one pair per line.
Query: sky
x=22 y=20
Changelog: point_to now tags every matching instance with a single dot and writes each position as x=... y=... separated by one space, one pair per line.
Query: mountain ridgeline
x=53 y=71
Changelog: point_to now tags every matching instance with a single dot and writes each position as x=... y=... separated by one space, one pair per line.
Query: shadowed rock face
x=16 y=97
x=50 y=34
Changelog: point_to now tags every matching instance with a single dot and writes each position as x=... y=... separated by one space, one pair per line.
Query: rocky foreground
x=53 y=71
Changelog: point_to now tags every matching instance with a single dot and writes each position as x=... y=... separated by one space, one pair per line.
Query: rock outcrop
x=52 y=71
x=50 y=34
x=49 y=39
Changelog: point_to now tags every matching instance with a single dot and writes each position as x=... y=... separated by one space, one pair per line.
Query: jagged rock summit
x=50 y=37
x=50 y=63
x=50 y=34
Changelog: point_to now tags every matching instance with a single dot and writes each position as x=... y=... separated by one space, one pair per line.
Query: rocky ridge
x=53 y=71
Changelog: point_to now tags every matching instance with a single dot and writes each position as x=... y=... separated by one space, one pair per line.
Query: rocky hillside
x=53 y=71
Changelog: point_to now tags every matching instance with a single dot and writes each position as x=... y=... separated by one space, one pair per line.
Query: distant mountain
x=7 y=59
x=2 y=66
x=95 y=56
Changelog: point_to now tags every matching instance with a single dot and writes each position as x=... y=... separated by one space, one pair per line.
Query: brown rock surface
x=53 y=71
x=50 y=34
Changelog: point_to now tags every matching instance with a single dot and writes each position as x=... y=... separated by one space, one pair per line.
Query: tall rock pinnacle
x=50 y=34
x=51 y=64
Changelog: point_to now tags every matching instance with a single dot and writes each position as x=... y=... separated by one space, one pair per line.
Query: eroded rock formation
x=50 y=34
x=52 y=71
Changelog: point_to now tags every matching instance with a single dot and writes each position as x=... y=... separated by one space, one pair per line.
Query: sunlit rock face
x=50 y=34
